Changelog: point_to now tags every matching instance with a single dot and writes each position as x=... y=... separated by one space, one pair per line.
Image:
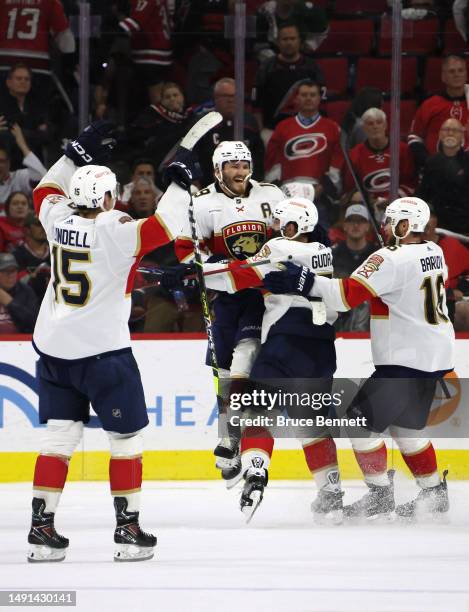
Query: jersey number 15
x=61 y=260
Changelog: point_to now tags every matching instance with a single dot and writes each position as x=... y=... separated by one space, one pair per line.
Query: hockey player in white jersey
x=297 y=342
x=83 y=339
x=412 y=341
x=233 y=218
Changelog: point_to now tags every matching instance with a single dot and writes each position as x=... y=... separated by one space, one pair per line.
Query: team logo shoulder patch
x=263 y=253
x=371 y=265
x=244 y=239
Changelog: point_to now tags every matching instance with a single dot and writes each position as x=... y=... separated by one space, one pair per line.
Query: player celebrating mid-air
x=412 y=341
x=233 y=217
x=297 y=342
x=82 y=336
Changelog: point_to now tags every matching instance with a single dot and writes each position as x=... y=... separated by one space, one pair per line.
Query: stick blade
x=199 y=129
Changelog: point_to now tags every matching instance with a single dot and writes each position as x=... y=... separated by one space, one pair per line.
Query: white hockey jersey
x=86 y=308
x=236 y=227
x=405 y=286
x=313 y=254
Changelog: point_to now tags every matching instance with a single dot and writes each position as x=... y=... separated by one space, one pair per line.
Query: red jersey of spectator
x=373 y=168
x=456 y=258
x=431 y=115
x=150 y=28
x=304 y=151
x=11 y=235
x=24 y=31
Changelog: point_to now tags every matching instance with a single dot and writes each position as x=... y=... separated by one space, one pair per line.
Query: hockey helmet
x=414 y=210
x=296 y=210
x=90 y=184
x=298 y=189
x=230 y=150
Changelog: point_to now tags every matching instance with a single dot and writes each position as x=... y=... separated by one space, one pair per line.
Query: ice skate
x=256 y=479
x=327 y=508
x=377 y=503
x=132 y=544
x=46 y=545
x=432 y=501
x=228 y=460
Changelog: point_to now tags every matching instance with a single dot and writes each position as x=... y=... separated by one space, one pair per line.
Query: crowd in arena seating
x=318 y=76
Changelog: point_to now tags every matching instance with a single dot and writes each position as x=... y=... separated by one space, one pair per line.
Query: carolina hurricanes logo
x=456 y=111
x=377 y=181
x=306 y=145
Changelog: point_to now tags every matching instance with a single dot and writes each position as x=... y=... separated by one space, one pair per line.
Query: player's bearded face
x=235 y=176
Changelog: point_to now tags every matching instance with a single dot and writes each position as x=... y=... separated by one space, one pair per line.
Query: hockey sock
x=321 y=458
x=372 y=457
x=50 y=474
x=256 y=442
x=422 y=464
x=125 y=478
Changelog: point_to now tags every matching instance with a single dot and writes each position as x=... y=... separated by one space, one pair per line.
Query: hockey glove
x=174 y=277
x=184 y=169
x=294 y=279
x=93 y=145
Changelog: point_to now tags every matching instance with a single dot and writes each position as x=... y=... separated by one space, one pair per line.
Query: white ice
x=207 y=559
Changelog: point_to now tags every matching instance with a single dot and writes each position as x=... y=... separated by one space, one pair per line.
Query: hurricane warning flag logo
x=244 y=239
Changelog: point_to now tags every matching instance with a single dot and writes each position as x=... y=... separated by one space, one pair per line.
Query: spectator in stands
x=347 y=256
x=13 y=225
x=457 y=260
x=424 y=131
x=306 y=147
x=224 y=102
x=18 y=180
x=278 y=78
x=372 y=159
x=311 y=21
x=157 y=130
x=367 y=97
x=143 y=199
x=142 y=168
x=18 y=303
x=19 y=105
x=445 y=179
x=33 y=257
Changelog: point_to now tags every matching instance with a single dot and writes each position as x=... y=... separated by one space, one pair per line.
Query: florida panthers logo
x=244 y=239
x=306 y=145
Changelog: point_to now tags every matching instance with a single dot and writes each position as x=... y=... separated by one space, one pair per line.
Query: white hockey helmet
x=297 y=189
x=301 y=211
x=90 y=184
x=230 y=150
x=414 y=210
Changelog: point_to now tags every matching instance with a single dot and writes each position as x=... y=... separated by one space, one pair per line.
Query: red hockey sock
x=50 y=473
x=125 y=475
x=320 y=454
x=372 y=462
x=257 y=438
x=423 y=462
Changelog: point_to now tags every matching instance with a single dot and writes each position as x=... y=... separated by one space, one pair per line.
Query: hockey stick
x=197 y=131
x=359 y=186
x=254 y=264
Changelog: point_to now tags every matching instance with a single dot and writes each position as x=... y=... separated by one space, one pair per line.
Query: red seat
x=335 y=70
x=453 y=42
x=349 y=37
x=407 y=112
x=417 y=36
x=336 y=110
x=376 y=72
x=357 y=7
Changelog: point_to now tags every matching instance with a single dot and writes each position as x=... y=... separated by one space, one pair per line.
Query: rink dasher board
x=182 y=412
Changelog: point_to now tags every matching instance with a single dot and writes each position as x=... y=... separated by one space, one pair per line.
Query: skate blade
x=45 y=554
x=381 y=518
x=130 y=552
x=425 y=518
x=249 y=511
x=335 y=517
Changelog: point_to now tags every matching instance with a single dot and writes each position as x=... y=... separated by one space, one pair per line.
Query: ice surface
x=208 y=560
